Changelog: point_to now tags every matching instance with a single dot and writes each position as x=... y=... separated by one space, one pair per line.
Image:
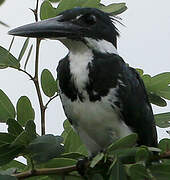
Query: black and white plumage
x=103 y=98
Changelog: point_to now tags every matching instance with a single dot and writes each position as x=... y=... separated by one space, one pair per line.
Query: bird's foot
x=82 y=166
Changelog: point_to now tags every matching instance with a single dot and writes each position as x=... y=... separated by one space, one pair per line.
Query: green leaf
x=158 y=87
x=67 y=128
x=46 y=147
x=28 y=56
x=160 y=171
x=91 y=4
x=96 y=159
x=154 y=149
x=48 y=83
x=26 y=136
x=39 y=178
x=157 y=100
x=73 y=155
x=25 y=111
x=82 y=150
x=7 y=109
x=59 y=162
x=30 y=129
x=160 y=81
x=14 y=128
x=1 y=2
x=14 y=164
x=6 y=138
x=24 y=47
x=47 y=10
x=8 y=153
x=115 y=8
x=21 y=140
x=9 y=171
x=65 y=4
x=54 y=1
x=140 y=71
x=117 y=172
x=147 y=80
x=165 y=93
x=142 y=154
x=162 y=120
x=73 y=142
x=7 y=177
x=125 y=142
x=125 y=155
x=66 y=177
x=97 y=177
x=164 y=145
x=7 y=59
x=67 y=125
x=138 y=172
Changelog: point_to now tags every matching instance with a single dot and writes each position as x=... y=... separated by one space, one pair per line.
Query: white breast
x=79 y=61
x=97 y=123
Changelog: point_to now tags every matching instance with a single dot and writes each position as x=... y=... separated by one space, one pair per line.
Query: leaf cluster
x=48 y=11
x=158 y=90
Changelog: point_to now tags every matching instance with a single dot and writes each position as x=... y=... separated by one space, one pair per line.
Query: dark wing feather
x=110 y=71
x=136 y=109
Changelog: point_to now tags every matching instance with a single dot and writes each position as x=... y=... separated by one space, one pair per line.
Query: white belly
x=97 y=123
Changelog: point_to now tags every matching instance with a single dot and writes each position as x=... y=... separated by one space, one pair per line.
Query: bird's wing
x=136 y=109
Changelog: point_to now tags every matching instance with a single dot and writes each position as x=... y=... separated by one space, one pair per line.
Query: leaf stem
x=31 y=77
x=50 y=100
x=45 y=171
x=37 y=85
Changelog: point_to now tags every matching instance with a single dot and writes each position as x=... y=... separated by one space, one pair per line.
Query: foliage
x=2 y=23
x=55 y=157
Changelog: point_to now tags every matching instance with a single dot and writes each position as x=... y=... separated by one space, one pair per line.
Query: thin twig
x=9 y=49
x=31 y=77
x=45 y=171
x=37 y=86
x=50 y=100
x=165 y=155
x=36 y=77
x=35 y=11
x=36 y=82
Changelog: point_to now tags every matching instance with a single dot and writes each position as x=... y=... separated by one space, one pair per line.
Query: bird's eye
x=89 y=19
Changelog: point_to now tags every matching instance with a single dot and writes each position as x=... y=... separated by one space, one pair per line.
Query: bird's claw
x=82 y=166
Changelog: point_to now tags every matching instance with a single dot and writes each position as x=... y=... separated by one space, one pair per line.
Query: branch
x=31 y=77
x=165 y=155
x=45 y=171
x=37 y=86
x=35 y=11
x=50 y=100
x=36 y=77
x=36 y=82
x=158 y=157
x=65 y=170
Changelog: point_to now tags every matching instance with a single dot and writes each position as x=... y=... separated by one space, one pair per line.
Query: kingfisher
x=103 y=98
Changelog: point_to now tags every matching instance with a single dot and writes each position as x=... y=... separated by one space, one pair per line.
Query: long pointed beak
x=50 y=28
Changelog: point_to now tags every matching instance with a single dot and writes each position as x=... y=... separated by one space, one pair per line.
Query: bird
x=103 y=97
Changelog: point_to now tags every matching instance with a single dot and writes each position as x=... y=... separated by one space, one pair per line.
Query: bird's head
x=78 y=24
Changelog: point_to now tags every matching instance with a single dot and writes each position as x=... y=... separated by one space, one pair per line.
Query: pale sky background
x=144 y=43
